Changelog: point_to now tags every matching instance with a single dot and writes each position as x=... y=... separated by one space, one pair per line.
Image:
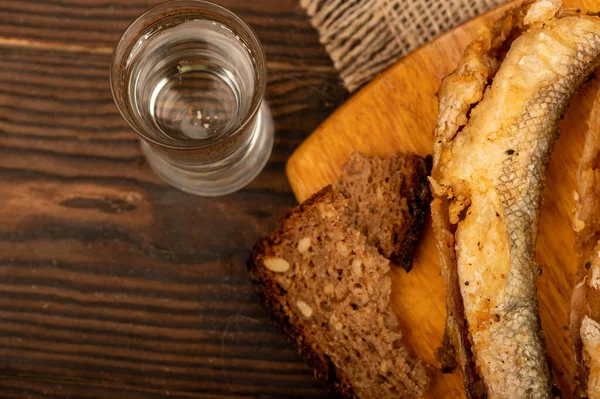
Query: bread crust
x=418 y=197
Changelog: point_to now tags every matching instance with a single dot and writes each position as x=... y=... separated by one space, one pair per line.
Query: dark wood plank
x=113 y=284
x=281 y=25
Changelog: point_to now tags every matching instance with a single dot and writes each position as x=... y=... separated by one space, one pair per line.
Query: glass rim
x=135 y=28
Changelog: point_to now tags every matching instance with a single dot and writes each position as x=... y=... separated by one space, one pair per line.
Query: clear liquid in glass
x=196 y=81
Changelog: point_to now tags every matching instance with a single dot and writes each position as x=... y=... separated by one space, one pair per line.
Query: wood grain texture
x=113 y=284
x=396 y=112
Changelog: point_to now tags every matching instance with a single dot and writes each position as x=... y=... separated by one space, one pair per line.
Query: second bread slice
x=388 y=200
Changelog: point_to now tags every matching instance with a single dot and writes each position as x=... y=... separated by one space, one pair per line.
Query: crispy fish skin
x=490 y=163
x=585 y=300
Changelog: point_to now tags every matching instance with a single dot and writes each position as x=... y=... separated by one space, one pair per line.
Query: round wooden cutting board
x=397 y=112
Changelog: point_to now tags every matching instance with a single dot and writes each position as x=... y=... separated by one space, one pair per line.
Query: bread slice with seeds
x=329 y=291
x=388 y=201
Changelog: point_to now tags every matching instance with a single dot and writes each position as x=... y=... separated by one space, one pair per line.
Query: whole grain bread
x=329 y=291
x=388 y=201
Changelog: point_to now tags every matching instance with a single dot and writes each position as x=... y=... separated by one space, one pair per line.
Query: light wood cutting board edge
x=376 y=119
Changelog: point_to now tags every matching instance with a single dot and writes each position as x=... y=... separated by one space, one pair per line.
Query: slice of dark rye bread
x=388 y=201
x=329 y=291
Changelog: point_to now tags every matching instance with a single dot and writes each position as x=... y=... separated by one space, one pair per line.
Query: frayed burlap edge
x=364 y=37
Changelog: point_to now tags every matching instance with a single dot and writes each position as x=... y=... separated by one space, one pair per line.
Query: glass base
x=233 y=176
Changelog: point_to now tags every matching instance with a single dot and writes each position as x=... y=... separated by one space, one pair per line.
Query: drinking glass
x=189 y=76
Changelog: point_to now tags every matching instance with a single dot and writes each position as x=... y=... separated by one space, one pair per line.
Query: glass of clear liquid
x=189 y=76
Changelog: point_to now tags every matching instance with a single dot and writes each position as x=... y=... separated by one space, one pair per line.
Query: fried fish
x=497 y=122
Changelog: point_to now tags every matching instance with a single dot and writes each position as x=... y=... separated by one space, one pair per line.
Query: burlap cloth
x=364 y=37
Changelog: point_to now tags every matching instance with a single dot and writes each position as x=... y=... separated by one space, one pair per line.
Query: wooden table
x=112 y=284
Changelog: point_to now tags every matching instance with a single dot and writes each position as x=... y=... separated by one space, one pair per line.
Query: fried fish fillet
x=585 y=301
x=497 y=122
